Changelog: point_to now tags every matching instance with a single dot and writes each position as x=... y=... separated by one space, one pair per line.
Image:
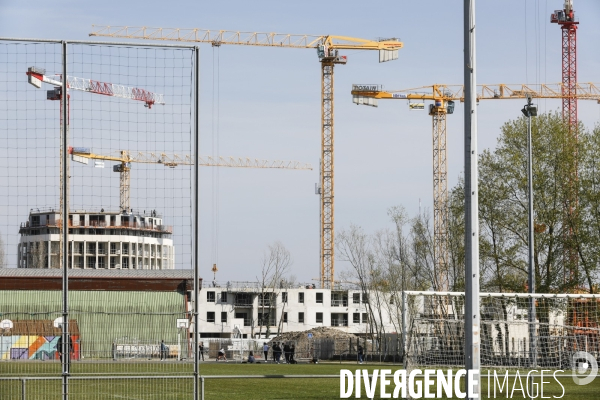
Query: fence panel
x=130 y=131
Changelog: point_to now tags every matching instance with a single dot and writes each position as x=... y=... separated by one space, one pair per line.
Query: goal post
x=435 y=329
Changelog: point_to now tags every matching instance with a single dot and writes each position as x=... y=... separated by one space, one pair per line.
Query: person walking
x=293 y=353
x=266 y=350
x=360 y=354
x=277 y=351
x=201 y=351
x=163 y=350
x=286 y=353
x=69 y=350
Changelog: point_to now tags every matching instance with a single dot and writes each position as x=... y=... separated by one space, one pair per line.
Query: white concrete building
x=227 y=306
x=98 y=240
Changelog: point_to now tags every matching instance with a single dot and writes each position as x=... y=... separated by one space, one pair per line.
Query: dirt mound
x=325 y=343
x=317 y=333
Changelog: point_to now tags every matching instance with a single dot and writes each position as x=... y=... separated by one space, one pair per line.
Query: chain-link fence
x=98 y=150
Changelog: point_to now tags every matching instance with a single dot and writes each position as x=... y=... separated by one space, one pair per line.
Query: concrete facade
x=99 y=240
x=225 y=307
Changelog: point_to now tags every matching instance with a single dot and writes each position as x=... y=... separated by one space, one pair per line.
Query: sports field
x=173 y=381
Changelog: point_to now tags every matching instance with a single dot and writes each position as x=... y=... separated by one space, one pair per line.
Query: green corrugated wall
x=102 y=316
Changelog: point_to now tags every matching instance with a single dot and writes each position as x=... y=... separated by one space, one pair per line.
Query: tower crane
x=36 y=76
x=125 y=158
x=327 y=47
x=443 y=97
x=568 y=23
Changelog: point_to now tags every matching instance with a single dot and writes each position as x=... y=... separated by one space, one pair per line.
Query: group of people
x=288 y=351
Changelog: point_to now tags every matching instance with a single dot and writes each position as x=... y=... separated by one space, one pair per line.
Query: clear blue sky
x=269 y=104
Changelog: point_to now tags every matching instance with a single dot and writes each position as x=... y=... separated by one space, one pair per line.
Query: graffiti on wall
x=36 y=340
x=28 y=347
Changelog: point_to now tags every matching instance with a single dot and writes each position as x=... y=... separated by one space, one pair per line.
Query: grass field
x=174 y=381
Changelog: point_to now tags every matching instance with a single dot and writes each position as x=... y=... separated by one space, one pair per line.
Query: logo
x=585 y=368
x=417 y=383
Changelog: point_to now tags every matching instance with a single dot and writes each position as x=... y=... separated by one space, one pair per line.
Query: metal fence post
x=404 y=311
x=472 y=311
x=196 y=217
x=65 y=350
x=202 y=387
x=23 y=392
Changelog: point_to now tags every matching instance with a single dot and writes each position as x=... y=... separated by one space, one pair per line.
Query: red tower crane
x=565 y=18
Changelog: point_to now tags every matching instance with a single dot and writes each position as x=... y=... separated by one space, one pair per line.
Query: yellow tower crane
x=443 y=97
x=327 y=47
x=125 y=158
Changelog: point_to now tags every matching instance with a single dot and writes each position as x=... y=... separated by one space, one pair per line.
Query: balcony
x=339 y=303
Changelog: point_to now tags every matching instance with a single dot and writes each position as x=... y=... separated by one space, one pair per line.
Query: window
x=356 y=318
x=284 y=297
x=223 y=297
x=365 y=298
x=210 y=297
x=247 y=321
x=285 y=317
x=319 y=318
x=224 y=316
x=301 y=297
x=365 y=318
x=301 y=317
x=320 y=298
x=210 y=316
x=356 y=298
x=392 y=299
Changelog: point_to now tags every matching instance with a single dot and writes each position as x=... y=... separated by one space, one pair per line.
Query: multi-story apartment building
x=98 y=240
x=254 y=310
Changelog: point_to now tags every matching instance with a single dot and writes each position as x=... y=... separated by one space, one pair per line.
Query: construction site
x=447 y=251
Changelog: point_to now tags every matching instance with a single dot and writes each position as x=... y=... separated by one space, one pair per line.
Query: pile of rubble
x=317 y=333
x=325 y=342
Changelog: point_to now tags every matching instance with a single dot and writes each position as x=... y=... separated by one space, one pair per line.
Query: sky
x=265 y=103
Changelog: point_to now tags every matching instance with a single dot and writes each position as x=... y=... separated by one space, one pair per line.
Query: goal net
x=565 y=324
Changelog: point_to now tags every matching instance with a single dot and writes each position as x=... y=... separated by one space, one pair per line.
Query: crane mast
x=327 y=47
x=567 y=21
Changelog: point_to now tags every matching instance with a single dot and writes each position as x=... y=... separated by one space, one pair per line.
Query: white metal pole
x=404 y=348
x=196 y=217
x=65 y=229
x=532 y=317
x=472 y=315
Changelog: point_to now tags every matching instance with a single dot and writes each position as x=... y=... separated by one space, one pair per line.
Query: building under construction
x=98 y=240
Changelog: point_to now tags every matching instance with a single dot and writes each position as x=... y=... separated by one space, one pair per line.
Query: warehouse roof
x=93 y=279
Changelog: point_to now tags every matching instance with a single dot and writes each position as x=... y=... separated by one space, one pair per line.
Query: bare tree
x=2 y=253
x=276 y=262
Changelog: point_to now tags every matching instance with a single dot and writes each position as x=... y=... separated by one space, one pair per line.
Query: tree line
x=566 y=187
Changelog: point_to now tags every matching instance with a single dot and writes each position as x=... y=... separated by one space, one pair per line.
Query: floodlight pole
x=472 y=314
x=65 y=350
x=529 y=110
